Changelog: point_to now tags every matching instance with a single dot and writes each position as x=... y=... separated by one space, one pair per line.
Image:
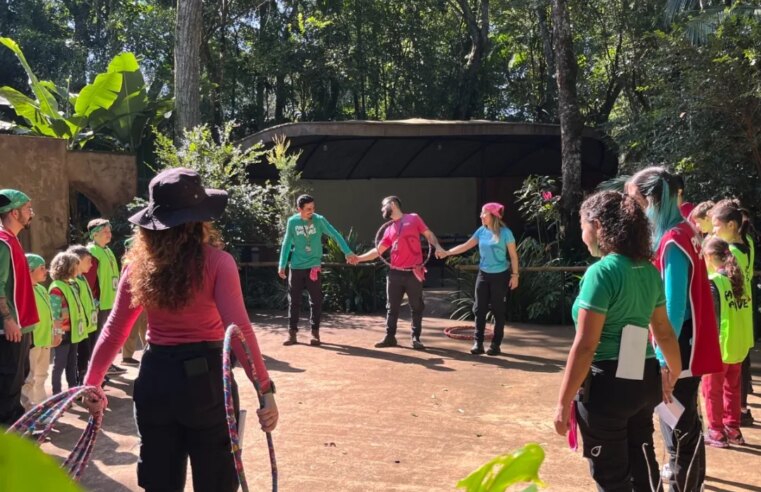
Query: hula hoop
x=379 y=235
x=466 y=332
x=47 y=413
x=232 y=424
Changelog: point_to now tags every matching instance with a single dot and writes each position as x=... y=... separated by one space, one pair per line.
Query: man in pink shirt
x=403 y=237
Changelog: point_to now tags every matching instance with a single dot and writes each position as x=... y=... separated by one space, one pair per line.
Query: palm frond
x=675 y=7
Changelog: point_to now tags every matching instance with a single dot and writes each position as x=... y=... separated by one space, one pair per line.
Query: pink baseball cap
x=494 y=208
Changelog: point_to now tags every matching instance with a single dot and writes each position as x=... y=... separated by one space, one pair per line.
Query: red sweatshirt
x=216 y=305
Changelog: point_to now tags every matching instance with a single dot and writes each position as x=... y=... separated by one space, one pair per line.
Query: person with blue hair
x=689 y=305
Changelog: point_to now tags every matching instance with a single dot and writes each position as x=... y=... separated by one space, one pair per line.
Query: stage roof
x=432 y=148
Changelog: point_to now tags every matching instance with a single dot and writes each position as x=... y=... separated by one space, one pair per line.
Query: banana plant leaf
x=522 y=466
x=25 y=468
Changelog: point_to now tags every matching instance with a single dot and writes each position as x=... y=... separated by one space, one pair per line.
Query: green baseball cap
x=11 y=200
x=35 y=261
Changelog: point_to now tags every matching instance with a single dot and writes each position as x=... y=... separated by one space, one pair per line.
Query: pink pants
x=721 y=392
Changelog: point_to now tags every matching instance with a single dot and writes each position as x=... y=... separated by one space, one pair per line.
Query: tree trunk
x=546 y=109
x=187 y=65
x=571 y=124
x=478 y=31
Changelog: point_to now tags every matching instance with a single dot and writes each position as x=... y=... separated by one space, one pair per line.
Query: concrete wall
x=447 y=205
x=43 y=169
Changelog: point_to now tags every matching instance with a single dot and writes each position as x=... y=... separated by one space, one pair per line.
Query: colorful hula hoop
x=232 y=423
x=43 y=416
x=378 y=237
x=466 y=332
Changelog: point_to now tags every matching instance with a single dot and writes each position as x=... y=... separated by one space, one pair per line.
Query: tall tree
x=187 y=64
x=476 y=19
x=571 y=123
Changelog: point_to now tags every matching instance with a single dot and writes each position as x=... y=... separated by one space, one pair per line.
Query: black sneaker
x=746 y=419
x=291 y=340
x=477 y=349
x=116 y=370
x=130 y=361
x=417 y=344
x=387 y=341
x=493 y=350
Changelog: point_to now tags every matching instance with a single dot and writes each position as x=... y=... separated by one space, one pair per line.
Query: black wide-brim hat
x=176 y=196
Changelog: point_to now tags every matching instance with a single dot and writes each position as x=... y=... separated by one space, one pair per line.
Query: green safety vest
x=88 y=303
x=735 y=333
x=42 y=332
x=77 y=317
x=108 y=275
x=745 y=262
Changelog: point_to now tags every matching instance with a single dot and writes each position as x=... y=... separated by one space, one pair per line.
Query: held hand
x=57 y=340
x=268 y=415
x=352 y=259
x=562 y=416
x=513 y=284
x=667 y=385
x=281 y=273
x=441 y=253
x=96 y=403
x=12 y=330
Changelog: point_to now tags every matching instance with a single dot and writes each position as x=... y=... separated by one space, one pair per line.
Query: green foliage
x=289 y=185
x=114 y=108
x=24 y=467
x=250 y=212
x=359 y=289
x=519 y=467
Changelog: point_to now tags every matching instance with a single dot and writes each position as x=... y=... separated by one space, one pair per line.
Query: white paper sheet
x=631 y=353
x=670 y=413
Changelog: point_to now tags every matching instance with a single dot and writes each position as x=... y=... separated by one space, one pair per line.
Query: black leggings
x=491 y=293
x=180 y=414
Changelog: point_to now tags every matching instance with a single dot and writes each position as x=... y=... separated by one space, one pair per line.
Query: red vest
x=705 y=357
x=23 y=292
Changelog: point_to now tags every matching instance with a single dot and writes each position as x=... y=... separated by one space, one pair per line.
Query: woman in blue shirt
x=495 y=242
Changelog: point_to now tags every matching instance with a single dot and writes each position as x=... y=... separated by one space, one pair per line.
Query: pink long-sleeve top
x=217 y=304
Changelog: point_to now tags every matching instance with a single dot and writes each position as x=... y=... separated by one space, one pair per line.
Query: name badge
x=308 y=249
x=115 y=282
x=81 y=327
x=94 y=318
x=631 y=353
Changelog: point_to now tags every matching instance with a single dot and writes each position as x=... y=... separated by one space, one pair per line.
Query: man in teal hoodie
x=303 y=244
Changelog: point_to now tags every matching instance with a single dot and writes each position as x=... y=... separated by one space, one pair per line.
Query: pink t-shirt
x=216 y=305
x=403 y=237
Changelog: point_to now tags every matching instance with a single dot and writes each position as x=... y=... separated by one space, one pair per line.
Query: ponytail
x=730 y=210
x=718 y=247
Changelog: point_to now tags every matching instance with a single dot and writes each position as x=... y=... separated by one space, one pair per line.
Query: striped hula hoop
x=232 y=423
x=379 y=236
x=43 y=416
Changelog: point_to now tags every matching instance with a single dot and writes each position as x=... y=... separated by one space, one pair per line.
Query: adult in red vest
x=689 y=305
x=18 y=308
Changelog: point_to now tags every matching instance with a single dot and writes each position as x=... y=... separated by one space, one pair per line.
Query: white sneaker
x=666 y=472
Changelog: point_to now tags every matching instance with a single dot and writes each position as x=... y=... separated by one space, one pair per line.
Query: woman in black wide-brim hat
x=191 y=292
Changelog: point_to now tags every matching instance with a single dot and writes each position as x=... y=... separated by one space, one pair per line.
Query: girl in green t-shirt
x=619 y=297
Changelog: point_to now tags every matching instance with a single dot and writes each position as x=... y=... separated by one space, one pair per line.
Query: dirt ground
x=356 y=418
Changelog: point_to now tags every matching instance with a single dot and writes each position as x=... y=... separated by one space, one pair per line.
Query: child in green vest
x=731 y=222
x=69 y=317
x=43 y=338
x=721 y=390
x=103 y=277
x=89 y=303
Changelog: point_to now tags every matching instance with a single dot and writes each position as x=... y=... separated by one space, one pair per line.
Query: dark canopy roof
x=431 y=148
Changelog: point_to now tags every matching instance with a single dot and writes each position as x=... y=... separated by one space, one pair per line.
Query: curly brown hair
x=715 y=246
x=624 y=228
x=166 y=267
x=64 y=266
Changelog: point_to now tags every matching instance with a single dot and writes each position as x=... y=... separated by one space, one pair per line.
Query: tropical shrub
x=112 y=112
x=360 y=289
